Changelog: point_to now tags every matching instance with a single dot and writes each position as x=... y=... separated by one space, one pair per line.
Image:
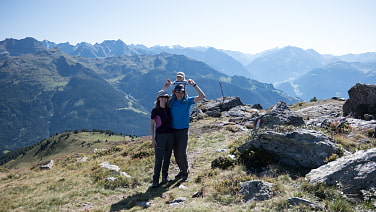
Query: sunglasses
x=179 y=91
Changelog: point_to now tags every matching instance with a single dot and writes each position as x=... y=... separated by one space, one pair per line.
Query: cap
x=180 y=74
x=162 y=93
x=179 y=87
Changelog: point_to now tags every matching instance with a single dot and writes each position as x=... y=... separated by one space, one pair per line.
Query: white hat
x=180 y=74
x=162 y=93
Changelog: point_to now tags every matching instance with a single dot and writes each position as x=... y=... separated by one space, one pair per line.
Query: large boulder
x=301 y=148
x=280 y=114
x=215 y=107
x=354 y=172
x=362 y=101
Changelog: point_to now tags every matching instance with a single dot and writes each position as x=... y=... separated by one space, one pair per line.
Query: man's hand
x=191 y=82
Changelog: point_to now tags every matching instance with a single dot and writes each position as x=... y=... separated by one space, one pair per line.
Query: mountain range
x=44 y=90
x=281 y=67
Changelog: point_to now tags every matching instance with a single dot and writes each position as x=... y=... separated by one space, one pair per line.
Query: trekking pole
x=223 y=96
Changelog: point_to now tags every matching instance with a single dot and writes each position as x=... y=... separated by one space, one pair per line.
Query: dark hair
x=157 y=105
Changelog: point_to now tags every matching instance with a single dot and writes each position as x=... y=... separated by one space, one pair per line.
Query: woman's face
x=179 y=94
x=163 y=99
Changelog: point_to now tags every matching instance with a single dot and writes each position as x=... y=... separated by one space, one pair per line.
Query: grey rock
x=198 y=194
x=111 y=179
x=362 y=101
x=83 y=159
x=242 y=111
x=298 y=201
x=115 y=168
x=353 y=172
x=109 y=166
x=177 y=201
x=361 y=124
x=256 y=190
x=215 y=107
x=280 y=114
x=47 y=165
x=321 y=115
x=301 y=148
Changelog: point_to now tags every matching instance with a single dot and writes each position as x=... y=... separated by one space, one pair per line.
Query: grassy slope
x=78 y=186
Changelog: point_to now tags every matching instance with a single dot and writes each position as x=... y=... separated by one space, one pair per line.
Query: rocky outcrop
x=48 y=165
x=280 y=114
x=232 y=107
x=215 y=107
x=301 y=148
x=115 y=168
x=354 y=172
x=362 y=101
x=361 y=124
x=301 y=201
x=320 y=115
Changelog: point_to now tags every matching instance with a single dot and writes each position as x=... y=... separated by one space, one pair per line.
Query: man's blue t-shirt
x=180 y=112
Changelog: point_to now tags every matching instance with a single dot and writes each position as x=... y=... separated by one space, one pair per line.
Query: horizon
x=336 y=27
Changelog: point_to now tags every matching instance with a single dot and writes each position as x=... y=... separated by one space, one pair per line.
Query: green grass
x=78 y=186
x=66 y=144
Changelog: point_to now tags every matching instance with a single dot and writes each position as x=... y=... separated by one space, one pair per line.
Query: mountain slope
x=279 y=65
x=215 y=58
x=49 y=92
x=332 y=80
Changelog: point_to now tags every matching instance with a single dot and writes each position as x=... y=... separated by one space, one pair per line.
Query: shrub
x=371 y=133
x=109 y=151
x=255 y=158
x=142 y=154
x=339 y=204
x=332 y=157
x=340 y=127
x=223 y=163
x=101 y=176
x=228 y=188
x=322 y=191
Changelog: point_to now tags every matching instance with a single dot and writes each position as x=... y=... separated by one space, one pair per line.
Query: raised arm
x=167 y=84
x=201 y=94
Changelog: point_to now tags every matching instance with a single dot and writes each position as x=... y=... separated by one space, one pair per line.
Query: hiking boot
x=180 y=175
x=165 y=180
x=184 y=178
x=155 y=184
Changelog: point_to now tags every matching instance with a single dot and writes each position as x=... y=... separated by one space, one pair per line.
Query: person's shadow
x=149 y=194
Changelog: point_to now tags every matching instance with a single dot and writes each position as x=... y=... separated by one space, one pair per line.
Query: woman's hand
x=154 y=143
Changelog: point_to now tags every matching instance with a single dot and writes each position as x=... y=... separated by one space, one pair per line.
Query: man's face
x=180 y=94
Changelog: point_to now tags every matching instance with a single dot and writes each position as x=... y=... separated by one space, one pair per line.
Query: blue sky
x=328 y=26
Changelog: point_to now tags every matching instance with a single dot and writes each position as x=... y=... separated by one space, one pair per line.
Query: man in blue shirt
x=180 y=105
